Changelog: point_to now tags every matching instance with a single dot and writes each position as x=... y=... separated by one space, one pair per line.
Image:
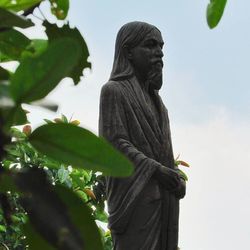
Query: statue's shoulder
x=111 y=87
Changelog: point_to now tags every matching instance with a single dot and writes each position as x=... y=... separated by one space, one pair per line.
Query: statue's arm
x=113 y=126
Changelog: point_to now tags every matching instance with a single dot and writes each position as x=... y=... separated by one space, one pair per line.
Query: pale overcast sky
x=207 y=93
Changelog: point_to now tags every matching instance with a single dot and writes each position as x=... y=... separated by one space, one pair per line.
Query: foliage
x=47 y=197
x=215 y=11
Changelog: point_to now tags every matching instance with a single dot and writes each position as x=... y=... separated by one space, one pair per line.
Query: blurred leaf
x=215 y=11
x=9 y=19
x=17 y=133
x=35 y=48
x=2 y=229
x=54 y=33
x=34 y=240
x=101 y=215
x=12 y=44
x=60 y=8
x=7 y=183
x=15 y=116
x=46 y=104
x=47 y=212
x=63 y=174
x=64 y=119
x=4 y=75
x=18 y=5
x=79 y=147
x=48 y=69
x=81 y=217
x=182 y=174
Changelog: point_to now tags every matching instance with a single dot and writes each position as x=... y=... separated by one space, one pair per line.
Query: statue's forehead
x=154 y=34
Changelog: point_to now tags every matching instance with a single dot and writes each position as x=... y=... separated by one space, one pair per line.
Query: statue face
x=146 y=57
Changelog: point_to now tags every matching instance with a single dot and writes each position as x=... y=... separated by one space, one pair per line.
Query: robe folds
x=142 y=214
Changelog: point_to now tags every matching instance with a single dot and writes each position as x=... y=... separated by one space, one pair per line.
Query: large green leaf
x=9 y=19
x=12 y=44
x=34 y=240
x=215 y=11
x=54 y=33
x=79 y=147
x=4 y=74
x=36 y=77
x=18 y=5
x=60 y=8
x=81 y=217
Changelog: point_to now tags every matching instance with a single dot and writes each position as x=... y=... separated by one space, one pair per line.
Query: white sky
x=208 y=96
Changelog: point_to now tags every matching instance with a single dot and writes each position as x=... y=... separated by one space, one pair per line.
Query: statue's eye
x=150 y=43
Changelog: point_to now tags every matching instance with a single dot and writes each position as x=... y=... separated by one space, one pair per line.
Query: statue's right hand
x=168 y=177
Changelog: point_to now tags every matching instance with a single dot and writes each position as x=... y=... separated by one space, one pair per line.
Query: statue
x=143 y=208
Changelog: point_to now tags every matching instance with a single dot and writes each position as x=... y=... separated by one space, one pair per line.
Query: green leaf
x=79 y=147
x=81 y=217
x=4 y=75
x=9 y=19
x=34 y=240
x=54 y=33
x=12 y=44
x=35 y=48
x=215 y=11
x=182 y=174
x=63 y=174
x=60 y=8
x=15 y=116
x=2 y=229
x=18 y=5
x=36 y=77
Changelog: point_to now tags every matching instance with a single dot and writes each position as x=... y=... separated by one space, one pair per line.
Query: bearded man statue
x=143 y=208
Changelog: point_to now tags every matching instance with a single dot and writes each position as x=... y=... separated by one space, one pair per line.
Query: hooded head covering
x=130 y=35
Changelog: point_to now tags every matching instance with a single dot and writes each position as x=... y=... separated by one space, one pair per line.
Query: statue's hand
x=180 y=191
x=168 y=177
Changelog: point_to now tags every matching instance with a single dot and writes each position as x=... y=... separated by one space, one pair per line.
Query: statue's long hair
x=130 y=35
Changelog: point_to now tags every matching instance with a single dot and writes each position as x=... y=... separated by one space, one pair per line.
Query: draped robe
x=142 y=214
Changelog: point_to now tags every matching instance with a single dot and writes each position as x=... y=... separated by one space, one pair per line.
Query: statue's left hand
x=180 y=191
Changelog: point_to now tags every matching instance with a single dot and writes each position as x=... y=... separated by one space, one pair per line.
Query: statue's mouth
x=158 y=63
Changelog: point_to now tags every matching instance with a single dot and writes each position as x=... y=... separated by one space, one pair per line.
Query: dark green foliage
x=54 y=33
x=215 y=11
x=36 y=77
x=12 y=44
x=60 y=8
x=47 y=203
x=9 y=19
x=18 y=4
x=81 y=148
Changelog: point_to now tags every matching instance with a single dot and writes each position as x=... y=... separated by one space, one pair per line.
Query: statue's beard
x=154 y=77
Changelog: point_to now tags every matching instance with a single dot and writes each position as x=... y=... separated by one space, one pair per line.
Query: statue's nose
x=159 y=52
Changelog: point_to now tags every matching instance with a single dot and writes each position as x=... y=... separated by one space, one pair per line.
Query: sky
x=206 y=90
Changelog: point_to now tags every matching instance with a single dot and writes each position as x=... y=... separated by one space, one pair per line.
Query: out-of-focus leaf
x=2 y=229
x=46 y=104
x=101 y=215
x=63 y=174
x=15 y=116
x=47 y=211
x=7 y=183
x=35 y=48
x=36 y=77
x=4 y=74
x=79 y=147
x=9 y=19
x=18 y=5
x=60 y=8
x=81 y=217
x=215 y=11
x=53 y=32
x=34 y=240
x=12 y=44
x=182 y=174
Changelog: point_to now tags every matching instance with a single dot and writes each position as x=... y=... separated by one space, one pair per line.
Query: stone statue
x=143 y=208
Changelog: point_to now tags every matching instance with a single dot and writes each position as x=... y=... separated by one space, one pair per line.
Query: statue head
x=138 y=51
